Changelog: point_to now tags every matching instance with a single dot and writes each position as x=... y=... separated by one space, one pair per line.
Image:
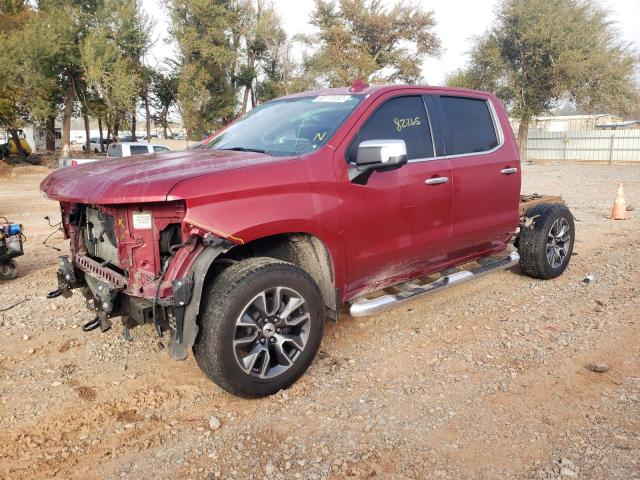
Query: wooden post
x=613 y=137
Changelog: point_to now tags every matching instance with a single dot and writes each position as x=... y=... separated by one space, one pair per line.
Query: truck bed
x=529 y=201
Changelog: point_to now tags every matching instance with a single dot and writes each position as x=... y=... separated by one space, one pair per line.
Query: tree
x=111 y=54
x=164 y=91
x=542 y=52
x=15 y=101
x=208 y=40
x=363 y=39
x=263 y=37
x=461 y=78
x=145 y=94
x=64 y=24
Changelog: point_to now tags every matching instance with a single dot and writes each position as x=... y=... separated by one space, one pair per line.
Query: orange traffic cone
x=619 y=211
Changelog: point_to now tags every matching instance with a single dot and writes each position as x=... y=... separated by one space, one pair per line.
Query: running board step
x=364 y=306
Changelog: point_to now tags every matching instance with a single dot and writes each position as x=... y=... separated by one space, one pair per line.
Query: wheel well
x=303 y=250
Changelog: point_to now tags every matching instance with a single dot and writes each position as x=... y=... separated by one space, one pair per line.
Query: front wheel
x=546 y=246
x=260 y=328
x=8 y=270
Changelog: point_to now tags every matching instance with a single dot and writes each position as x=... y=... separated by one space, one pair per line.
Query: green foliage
x=459 y=79
x=363 y=39
x=111 y=57
x=265 y=47
x=164 y=88
x=205 y=32
x=15 y=102
x=541 y=52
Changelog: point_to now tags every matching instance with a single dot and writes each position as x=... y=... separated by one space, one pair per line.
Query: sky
x=458 y=22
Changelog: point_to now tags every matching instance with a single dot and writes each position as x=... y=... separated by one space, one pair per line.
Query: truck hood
x=144 y=178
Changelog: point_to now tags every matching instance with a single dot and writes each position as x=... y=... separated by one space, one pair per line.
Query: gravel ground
x=486 y=380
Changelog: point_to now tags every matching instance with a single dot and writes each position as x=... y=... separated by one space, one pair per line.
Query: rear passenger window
x=138 y=149
x=470 y=126
x=401 y=118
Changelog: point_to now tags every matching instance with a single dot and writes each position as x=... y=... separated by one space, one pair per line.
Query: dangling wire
x=47 y=239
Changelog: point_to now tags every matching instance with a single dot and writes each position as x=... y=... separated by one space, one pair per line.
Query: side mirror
x=383 y=153
x=377 y=155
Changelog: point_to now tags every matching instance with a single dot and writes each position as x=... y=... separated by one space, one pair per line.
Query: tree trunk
x=245 y=99
x=523 y=134
x=66 y=120
x=148 y=117
x=50 y=139
x=101 y=138
x=16 y=140
x=108 y=133
x=87 y=131
x=116 y=128
x=254 y=102
x=133 y=123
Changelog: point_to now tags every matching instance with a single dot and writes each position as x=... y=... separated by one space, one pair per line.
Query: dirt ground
x=483 y=381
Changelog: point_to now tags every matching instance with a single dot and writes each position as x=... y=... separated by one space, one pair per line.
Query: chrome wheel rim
x=558 y=240
x=271 y=332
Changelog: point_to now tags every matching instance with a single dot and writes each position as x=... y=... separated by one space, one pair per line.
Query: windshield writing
x=288 y=127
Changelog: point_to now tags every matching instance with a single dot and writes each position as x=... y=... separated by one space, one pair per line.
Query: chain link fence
x=587 y=146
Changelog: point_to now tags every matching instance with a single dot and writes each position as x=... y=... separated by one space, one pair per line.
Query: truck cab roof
x=366 y=90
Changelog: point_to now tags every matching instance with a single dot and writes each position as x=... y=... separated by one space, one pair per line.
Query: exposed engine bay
x=133 y=262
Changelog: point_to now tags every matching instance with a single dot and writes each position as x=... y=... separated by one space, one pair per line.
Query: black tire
x=227 y=297
x=8 y=270
x=537 y=243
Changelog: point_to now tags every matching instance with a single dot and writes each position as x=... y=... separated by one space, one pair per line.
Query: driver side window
x=401 y=118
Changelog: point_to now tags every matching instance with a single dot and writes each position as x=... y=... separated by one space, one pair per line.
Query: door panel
x=396 y=225
x=485 y=199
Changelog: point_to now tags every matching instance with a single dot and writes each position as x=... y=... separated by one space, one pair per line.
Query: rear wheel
x=260 y=328
x=546 y=246
x=8 y=270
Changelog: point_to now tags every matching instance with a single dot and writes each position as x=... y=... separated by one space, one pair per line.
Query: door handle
x=436 y=180
x=509 y=171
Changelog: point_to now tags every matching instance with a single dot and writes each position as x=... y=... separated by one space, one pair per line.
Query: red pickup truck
x=364 y=196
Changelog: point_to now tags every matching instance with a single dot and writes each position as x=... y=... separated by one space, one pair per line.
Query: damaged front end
x=139 y=262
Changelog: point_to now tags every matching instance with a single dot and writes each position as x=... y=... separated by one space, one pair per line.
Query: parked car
x=323 y=198
x=127 y=149
x=78 y=140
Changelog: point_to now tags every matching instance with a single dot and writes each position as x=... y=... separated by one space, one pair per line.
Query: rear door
x=398 y=223
x=485 y=173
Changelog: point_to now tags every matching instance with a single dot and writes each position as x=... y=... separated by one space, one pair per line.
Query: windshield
x=288 y=127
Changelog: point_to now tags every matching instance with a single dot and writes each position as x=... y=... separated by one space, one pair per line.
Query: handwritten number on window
x=402 y=123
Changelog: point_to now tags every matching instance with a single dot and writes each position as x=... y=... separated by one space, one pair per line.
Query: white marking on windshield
x=333 y=98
